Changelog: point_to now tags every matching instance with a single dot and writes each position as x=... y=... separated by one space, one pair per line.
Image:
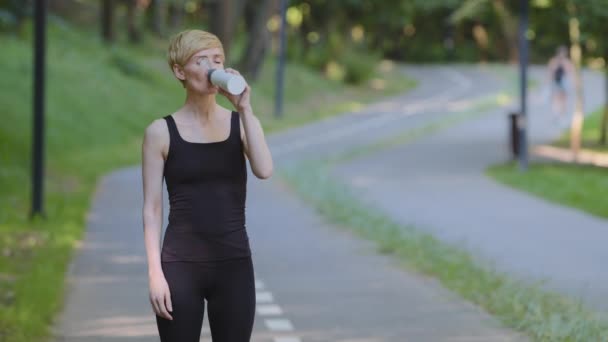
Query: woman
x=200 y=150
x=560 y=68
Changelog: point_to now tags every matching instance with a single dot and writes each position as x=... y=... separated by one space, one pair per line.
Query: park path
x=438 y=185
x=314 y=282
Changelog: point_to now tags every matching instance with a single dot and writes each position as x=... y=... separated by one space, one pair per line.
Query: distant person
x=201 y=151
x=560 y=71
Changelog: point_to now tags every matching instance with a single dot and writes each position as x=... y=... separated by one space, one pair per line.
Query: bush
x=7 y=20
x=317 y=57
x=336 y=56
x=359 y=65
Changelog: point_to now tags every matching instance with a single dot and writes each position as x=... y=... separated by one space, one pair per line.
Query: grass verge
x=590 y=135
x=577 y=186
x=100 y=100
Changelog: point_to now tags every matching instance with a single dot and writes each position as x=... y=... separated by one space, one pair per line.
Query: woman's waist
x=207 y=217
x=202 y=229
x=184 y=246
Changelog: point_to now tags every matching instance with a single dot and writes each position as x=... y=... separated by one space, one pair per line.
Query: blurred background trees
x=322 y=31
x=342 y=39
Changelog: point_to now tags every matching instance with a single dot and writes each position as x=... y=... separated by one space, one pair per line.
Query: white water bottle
x=234 y=84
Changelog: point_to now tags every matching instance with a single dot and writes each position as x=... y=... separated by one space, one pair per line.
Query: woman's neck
x=201 y=107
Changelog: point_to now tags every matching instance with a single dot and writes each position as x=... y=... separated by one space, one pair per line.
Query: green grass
x=590 y=134
x=99 y=102
x=577 y=186
x=582 y=187
x=545 y=316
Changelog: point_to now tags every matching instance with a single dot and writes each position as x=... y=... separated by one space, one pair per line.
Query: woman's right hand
x=160 y=296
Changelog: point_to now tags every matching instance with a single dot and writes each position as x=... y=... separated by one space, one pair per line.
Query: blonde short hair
x=185 y=44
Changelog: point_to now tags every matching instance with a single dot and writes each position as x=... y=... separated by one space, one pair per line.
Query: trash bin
x=514 y=134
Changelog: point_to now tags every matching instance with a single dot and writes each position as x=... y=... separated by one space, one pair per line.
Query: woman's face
x=196 y=69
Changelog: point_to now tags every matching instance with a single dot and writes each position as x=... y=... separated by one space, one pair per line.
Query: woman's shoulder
x=158 y=128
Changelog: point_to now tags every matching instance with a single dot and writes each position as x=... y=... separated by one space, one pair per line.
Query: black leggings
x=229 y=288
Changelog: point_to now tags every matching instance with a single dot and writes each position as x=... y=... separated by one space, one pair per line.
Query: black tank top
x=207 y=185
x=559 y=73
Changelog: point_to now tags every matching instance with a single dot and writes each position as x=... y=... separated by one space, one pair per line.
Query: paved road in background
x=438 y=184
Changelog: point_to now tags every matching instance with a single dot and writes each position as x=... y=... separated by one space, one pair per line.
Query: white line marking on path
x=263 y=297
x=287 y=339
x=269 y=310
x=278 y=324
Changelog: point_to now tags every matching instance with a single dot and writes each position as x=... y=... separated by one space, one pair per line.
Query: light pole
x=38 y=128
x=522 y=120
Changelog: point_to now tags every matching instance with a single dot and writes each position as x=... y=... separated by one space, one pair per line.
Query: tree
x=107 y=20
x=479 y=9
x=175 y=13
x=223 y=20
x=576 y=54
x=13 y=13
x=592 y=15
x=133 y=31
x=594 y=26
x=604 y=124
x=155 y=16
x=258 y=37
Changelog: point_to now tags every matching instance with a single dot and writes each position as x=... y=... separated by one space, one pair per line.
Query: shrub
x=359 y=64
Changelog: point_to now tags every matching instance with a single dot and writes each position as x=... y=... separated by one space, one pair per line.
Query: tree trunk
x=578 y=117
x=156 y=15
x=132 y=27
x=107 y=20
x=258 y=37
x=223 y=20
x=604 y=126
x=175 y=13
x=508 y=24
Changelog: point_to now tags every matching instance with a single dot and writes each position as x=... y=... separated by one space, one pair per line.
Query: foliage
x=420 y=30
x=12 y=13
x=359 y=65
x=414 y=31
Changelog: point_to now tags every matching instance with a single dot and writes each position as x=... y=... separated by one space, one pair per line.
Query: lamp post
x=40 y=9
x=522 y=120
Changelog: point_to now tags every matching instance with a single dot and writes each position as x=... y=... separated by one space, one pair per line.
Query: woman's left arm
x=255 y=144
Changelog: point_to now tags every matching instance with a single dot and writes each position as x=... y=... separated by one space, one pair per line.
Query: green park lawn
x=582 y=187
x=590 y=136
x=99 y=101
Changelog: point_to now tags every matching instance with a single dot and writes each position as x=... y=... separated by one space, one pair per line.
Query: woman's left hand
x=242 y=101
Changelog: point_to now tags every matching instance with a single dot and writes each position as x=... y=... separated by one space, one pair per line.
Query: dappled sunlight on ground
x=567 y=156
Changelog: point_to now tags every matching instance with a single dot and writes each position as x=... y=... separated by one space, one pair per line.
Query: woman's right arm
x=156 y=138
